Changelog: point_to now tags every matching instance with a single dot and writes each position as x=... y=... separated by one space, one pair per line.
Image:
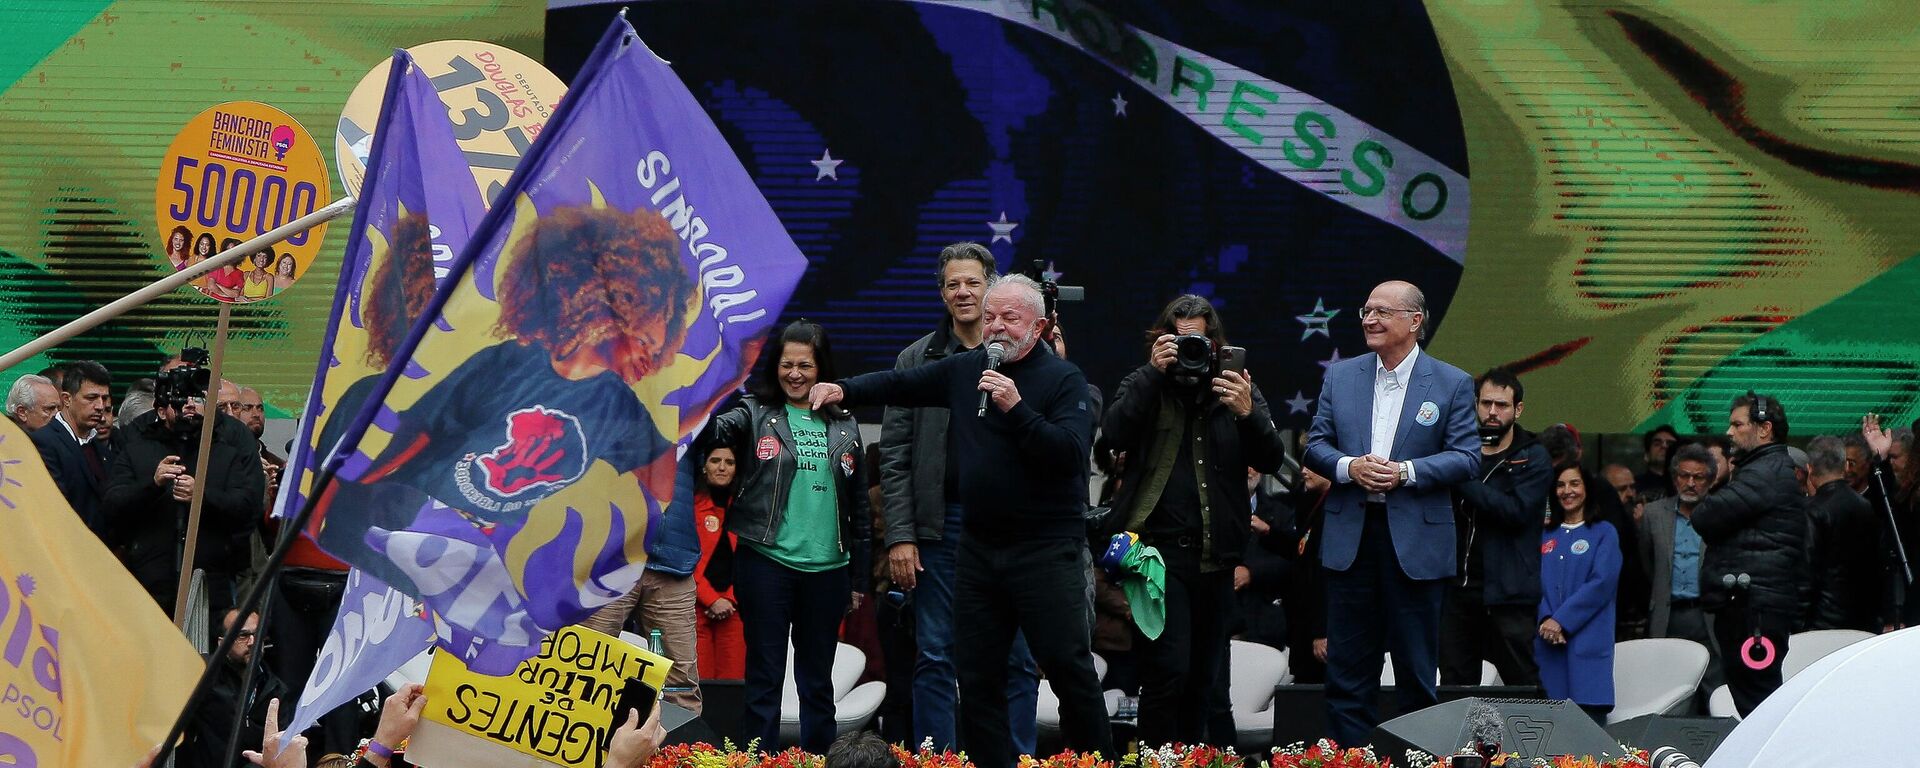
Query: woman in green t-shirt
x=802 y=515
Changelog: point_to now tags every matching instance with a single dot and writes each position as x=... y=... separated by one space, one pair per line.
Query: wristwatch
x=1400 y=469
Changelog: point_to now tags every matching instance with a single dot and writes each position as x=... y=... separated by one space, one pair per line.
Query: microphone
x=996 y=354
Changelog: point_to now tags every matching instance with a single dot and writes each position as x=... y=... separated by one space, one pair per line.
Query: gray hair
x=1028 y=289
x=1417 y=301
x=1827 y=455
x=1904 y=436
x=1697 y=453
x=21 y=396
x=134 y=406
x=965 y=251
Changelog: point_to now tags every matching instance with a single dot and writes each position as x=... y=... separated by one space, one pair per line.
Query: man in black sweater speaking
x=1023 y=562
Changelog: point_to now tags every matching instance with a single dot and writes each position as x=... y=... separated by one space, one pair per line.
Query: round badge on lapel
x=1546 y=547
x=1428 y=414
x=769 y=447
x=1580 y=547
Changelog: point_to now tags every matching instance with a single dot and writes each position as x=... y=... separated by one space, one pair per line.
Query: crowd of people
x=1415 y=517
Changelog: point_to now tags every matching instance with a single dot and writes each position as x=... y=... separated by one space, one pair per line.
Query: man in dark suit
x=1395 y=430
x=67 y=445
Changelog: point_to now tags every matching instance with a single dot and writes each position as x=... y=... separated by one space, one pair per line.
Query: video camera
x=1051 y=291
x=173 y=388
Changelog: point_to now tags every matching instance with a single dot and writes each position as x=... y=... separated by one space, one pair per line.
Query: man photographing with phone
x=1191 y=423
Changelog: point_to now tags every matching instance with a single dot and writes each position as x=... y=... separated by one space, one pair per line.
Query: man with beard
x=1491 y=610
x=924 y=515
x=207 y=740
x=1754 y=569
x=151 y=482
x=1023 y=564
x=1653 y=482
x=1672 y=549
x=252 y=409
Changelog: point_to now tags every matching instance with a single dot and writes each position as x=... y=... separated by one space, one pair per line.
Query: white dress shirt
x=61 y=417
x=1389 y=396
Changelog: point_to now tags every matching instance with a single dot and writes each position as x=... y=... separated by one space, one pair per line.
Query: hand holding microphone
x=995 y=385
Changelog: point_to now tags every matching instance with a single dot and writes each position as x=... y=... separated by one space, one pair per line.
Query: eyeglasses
x=1383 y=312
x=245 y=634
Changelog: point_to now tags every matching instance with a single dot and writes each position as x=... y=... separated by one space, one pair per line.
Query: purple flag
x=417 y=207
x=621 y=285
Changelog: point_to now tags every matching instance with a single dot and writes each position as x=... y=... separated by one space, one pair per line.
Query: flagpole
x=166 y=284
x=201 y=475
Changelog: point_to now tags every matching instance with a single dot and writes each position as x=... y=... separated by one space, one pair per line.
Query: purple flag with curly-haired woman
x=620 y=286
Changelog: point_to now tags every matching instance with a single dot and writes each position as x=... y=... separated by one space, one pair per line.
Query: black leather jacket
x=760 y=492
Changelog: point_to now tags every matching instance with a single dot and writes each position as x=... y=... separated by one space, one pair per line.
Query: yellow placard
x=558 y=706
x=239 y=170
x=497 y=98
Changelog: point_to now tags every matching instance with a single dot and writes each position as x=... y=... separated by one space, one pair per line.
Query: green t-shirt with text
x=809 y=537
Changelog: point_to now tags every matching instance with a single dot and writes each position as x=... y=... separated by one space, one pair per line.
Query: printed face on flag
x=618 y=289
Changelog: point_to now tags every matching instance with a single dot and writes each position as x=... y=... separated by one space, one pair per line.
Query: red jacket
x=710 y=520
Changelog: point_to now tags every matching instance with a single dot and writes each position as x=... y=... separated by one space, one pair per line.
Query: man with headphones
x=1754 y=572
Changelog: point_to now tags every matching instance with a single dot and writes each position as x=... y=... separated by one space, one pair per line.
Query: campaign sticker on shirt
x=1580 y=547
x=846 y=464
x=713 y=524
x=1546 y=547
x=1428 y=414
x=769 y=447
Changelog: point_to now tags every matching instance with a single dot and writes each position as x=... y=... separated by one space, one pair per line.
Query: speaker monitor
x=683 y=726
x=1532 y=728
x=1698 y=737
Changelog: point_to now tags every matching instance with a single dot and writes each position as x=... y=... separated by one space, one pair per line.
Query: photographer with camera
x=152 y=479
x=1191 y=423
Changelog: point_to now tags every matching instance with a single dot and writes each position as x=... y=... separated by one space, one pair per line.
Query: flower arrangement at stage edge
x=704 y=755
x=1066 y=759
x=1183 y=756
x=1325 y=754
x=928 y=757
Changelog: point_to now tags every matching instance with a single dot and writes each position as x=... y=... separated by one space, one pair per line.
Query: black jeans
x=1043 y=588
x=1178 y=669
x=1472 y=631
x=1733 y=626
x=774 y=601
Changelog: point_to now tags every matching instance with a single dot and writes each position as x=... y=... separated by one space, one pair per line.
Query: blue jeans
x=935 y=685
x=773 y=600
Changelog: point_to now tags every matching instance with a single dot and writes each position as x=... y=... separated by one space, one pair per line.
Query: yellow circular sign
x=497 y=98
x=239 y=170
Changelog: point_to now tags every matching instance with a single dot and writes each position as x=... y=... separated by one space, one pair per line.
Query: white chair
x=1655 y=676
x=1046 y=707
x=1720 y=703
x=1489 y=674
x=1805 y=648
x=853 y=705
x=1253 y=670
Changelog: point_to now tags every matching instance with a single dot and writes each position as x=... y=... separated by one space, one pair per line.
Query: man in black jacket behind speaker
x=1754 y=570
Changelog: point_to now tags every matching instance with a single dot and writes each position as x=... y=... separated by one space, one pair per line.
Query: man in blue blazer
x=1395 y=430
x=68 y=446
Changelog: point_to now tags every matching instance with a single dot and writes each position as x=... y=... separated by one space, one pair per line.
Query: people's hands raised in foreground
x=270 y=754
x=399 y=715
x=1879 y=438
x=634 y=743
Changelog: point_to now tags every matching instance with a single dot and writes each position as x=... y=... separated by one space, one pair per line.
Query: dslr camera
x=1196 y=362
x=173 y=388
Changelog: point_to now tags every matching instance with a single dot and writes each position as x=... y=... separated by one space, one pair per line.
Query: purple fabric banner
x=622 y=284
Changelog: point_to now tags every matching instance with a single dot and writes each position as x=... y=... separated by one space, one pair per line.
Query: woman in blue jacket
x=1579 y=578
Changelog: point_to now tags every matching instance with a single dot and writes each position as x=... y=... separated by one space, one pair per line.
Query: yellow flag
x=91 y=671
